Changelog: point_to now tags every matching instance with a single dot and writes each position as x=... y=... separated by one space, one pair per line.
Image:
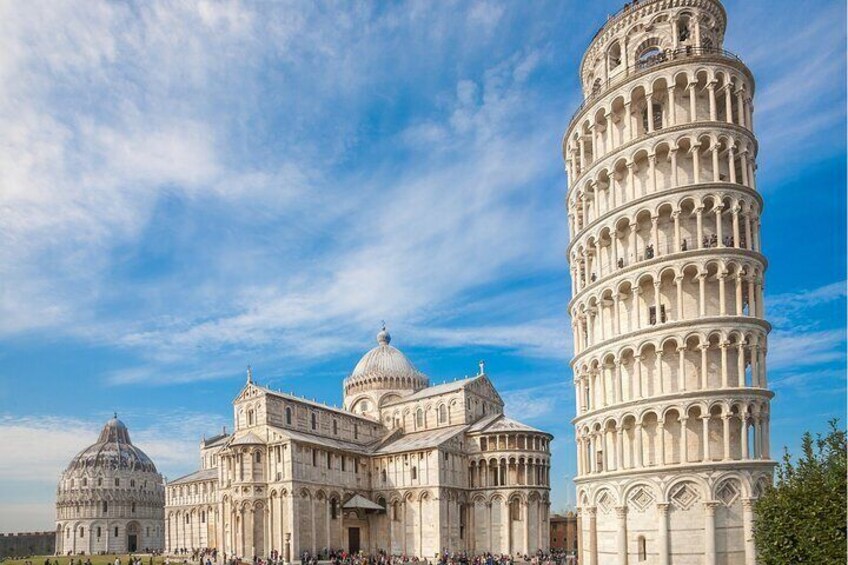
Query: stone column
x=672 y=111
x=696 y=163
x=699 y=228
x=652 y=171
x=649 y=100
x=731 y=164
x=725 y=418
x=748 y=529
x=640 y=461
x=662 y=533
x=693 y=107
x=619 y=387
x=706 y=433
x=684 y=444
x=704 y=376
x=740 y=108
x=619 y=456
x=728 y=107
x=716 y=170
x=621 y=539
x=709 y=533
x=712 y=98
x=593 y=537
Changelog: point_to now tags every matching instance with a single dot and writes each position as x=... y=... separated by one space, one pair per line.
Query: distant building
x=110 y=499
x=564 y=532
x=27 y=543
x=404 y=467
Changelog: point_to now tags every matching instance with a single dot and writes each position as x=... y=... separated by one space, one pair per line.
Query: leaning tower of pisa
x=672 y=422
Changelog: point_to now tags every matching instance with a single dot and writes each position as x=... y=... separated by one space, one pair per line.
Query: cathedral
x=404 y=467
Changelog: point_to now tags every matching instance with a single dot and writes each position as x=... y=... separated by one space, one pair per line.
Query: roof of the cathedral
x=501 y=423
x=202 y=475
x=420 y=440
x=320 y=440
x=113 y=450
x=436 y=390
x=249 y=438
x=314 y=403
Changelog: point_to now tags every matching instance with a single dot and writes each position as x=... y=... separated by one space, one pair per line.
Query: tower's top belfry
x=645 y=29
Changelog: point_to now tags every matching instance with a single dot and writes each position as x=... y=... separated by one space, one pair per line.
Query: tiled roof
x=202 y=475
x=501 y=423
x=420 y=440
x=435 y=390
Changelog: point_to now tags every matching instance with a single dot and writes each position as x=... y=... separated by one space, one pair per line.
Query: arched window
x=132 y=483
x=117 y=482
x=203 y=516
x=82 y=532
x=395 y=511
x=614 y=55
x=657 y=116
x=443 y=414
x=250 y=417
x=419 y=418
x=355 y=431
x=105 y=507
x=98 y=531
x=257 y=457
x=642 y=547
x=132 y=508
x=383 y=475
x=314 y=421
x=288 y=416
x=414 y=473
x=334 y=508
x=100 y=481
x=683 y=29
x=335 y=427
x=514 y=510
x=649 y=53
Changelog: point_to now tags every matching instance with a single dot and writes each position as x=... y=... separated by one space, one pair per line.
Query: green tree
x=802 y=518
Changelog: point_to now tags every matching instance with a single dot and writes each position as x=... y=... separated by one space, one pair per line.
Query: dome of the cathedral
x=113 y=450
x=385 y=367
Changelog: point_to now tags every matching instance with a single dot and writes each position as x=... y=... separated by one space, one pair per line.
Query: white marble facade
x=672 y=422
x=403 y=467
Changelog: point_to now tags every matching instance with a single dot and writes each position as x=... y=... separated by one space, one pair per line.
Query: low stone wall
x=27 y=543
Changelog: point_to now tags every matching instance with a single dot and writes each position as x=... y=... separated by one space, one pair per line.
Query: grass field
x=95 y=559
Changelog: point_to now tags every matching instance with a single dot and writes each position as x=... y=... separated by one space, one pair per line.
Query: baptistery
x=667 y=270
x=110 y=498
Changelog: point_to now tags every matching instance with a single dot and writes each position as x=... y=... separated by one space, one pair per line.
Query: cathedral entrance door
x=353 y=540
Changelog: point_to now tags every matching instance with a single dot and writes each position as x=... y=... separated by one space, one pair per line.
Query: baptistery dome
x=384 y=373
x=110 y=498
x=113 y=450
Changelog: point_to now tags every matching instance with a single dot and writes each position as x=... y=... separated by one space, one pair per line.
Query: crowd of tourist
x=341 y=557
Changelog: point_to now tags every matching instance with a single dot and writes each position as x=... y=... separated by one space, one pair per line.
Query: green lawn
x=95 y=559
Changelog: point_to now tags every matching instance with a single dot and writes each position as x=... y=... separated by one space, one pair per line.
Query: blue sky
x=188 y=188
